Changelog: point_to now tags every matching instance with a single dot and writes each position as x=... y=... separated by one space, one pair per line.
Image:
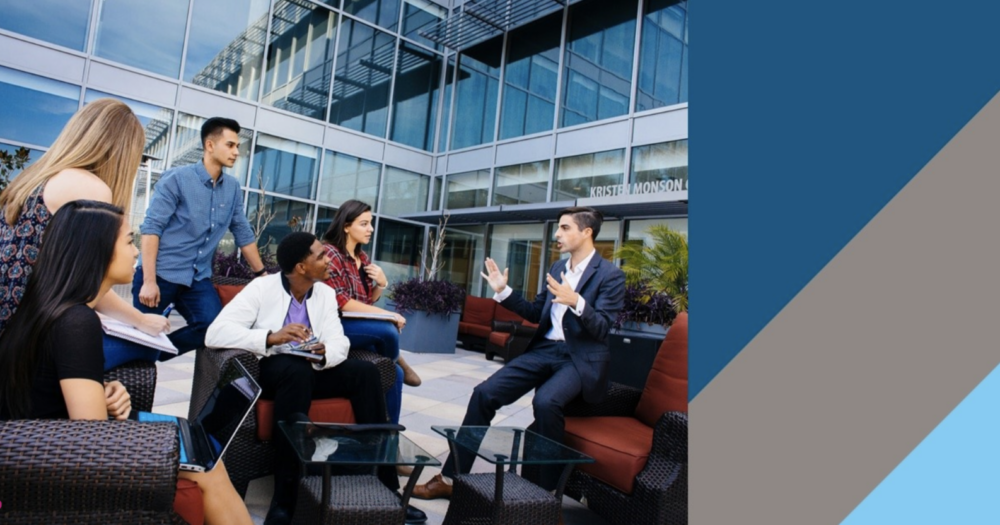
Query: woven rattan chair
x=61 y=471
x=248 y=457
x=639 y=439
x=139 y=378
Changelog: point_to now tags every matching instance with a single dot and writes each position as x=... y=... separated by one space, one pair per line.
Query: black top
x=73 y=349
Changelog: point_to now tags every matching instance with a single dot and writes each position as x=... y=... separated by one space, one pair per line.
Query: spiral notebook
x=130 y=333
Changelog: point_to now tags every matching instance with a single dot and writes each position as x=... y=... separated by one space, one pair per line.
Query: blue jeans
x=120 y=351
x=198 y=304
x=380 y=337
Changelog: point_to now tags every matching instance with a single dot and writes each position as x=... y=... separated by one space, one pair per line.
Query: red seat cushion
x=227 y=292
x=335 y=410
x=667 y=384
x=478 y=311
x=188 y=503
x=504 y=314
x=620 y=446
x=477 y=330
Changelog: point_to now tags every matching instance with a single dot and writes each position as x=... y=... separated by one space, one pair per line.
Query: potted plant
x=645 y=310
x=431 y=307
x=656 y=278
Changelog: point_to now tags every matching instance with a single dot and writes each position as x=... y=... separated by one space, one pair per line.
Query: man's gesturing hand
x=562 y=292
x=497 y=280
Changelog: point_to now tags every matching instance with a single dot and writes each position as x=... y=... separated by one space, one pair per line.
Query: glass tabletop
x=511 y=445
x=338 y=444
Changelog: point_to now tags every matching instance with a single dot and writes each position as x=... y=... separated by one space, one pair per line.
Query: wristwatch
x=262 y=271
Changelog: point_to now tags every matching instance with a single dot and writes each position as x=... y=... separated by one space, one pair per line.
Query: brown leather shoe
x=433 y=489
x=410 y=376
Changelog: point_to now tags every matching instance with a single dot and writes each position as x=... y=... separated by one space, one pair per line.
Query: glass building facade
x=584 y=104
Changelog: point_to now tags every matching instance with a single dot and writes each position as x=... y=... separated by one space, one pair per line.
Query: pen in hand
x=168 y=309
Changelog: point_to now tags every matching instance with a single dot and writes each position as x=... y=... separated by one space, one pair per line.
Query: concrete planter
x=429 y=333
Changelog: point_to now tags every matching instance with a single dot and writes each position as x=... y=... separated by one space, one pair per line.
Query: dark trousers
x=292 y=383
x=546 y=367
x=199 y=305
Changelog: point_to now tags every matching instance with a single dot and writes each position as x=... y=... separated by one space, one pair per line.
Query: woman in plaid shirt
x=359 y=283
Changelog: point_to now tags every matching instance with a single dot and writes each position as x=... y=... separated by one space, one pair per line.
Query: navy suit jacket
x=602 y=286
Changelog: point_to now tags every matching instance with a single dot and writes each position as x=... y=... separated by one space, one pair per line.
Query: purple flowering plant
x=434 y=297
x=645 y=305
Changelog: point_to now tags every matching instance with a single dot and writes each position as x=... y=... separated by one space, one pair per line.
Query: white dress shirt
x=573 y=276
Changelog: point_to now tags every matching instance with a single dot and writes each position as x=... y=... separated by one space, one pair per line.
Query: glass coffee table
x=353 y=498
x=503 y=496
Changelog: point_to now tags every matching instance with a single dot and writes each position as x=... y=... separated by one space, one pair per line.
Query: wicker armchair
x=248 y=457
x=639 y=439
x=139 y=378
x=509 y=339
x=61 y=471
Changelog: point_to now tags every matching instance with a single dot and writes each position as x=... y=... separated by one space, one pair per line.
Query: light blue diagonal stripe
x=953 y=476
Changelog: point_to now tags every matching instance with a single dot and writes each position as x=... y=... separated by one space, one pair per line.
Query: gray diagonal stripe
x=869 y=357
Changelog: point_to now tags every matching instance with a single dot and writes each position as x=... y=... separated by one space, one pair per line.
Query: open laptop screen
x=224 y=412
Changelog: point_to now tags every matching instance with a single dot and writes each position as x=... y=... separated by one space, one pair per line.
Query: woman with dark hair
x=359 y=283
x=51 y=353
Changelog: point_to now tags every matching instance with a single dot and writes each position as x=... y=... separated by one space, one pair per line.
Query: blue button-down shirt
x=191 y=215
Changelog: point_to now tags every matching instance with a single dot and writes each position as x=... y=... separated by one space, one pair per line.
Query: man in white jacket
x=290 y=307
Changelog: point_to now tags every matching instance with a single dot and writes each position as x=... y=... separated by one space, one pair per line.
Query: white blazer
x=261 y=307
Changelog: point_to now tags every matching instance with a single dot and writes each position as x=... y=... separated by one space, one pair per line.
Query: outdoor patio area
x=448 y=380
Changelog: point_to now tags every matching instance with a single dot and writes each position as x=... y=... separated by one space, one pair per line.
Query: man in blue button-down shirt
x=192 y=208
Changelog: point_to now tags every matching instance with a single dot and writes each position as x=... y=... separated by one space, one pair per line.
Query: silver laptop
x=204 y=440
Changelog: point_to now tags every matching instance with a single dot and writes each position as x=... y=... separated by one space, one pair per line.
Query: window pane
x=662 y=55
x=188 y=146
x=464 y=253
x=665 y=166
x=384 y=13
x=598 y=61
x=419 y=15
x=346 y=177
x=639 y=230
x=575 y=176
x=275 y=218
x=468 y=190
x=415 y=98
x=518 y=248
x=324 y=218
x=300 y=58
x=34 y=109
x=435 y=193
x=155 y=121
x=361 y=85
x=405 y=192
x=284 y=166
x=10 y=149
x=399 y=246
x=35 y=19
x=476 y=98
x=146 y=35
x=522 y=183
x=226 y=45
x=449 y=79
x=530 y=78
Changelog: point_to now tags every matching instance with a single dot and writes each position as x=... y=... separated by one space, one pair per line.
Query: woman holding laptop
x=51 y=352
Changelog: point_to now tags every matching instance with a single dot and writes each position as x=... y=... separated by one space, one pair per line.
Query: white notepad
x=130 y=333
x=368 y=315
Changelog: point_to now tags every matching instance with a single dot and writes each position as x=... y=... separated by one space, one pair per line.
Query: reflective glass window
x=284 y=166
x=468 y=190
x=414 y=104
x=605 y=243
x=530 y=78
x=399 y=247
x=449 y=79
x=598 y=61
x=521 y=183
x=384 y=13
x=226 y=45
x=346 y=177
x=145 y=35
x=463 y=254
x=663 y=55
x=660 y=167
x=10 y=149
x=576 y=176
x=405 y=192
x=476 y=94
x=419 y=15
x=34 y=108
x=639 y=229
x=435 y=193
x=274 y=217
x=300 y=58
x=361 y=84
x=518 y=248
x=324 y=218
x=155 y=121
x=35 y=19
x=188 y=148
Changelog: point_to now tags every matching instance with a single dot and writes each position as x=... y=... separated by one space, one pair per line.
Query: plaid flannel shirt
x=345 y=277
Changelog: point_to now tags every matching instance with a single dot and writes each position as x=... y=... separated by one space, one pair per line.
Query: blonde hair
x=104 y=138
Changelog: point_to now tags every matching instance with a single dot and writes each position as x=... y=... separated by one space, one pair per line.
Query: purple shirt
x=297 y=313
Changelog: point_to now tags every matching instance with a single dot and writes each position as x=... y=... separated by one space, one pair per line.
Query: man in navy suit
x=569 y=354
